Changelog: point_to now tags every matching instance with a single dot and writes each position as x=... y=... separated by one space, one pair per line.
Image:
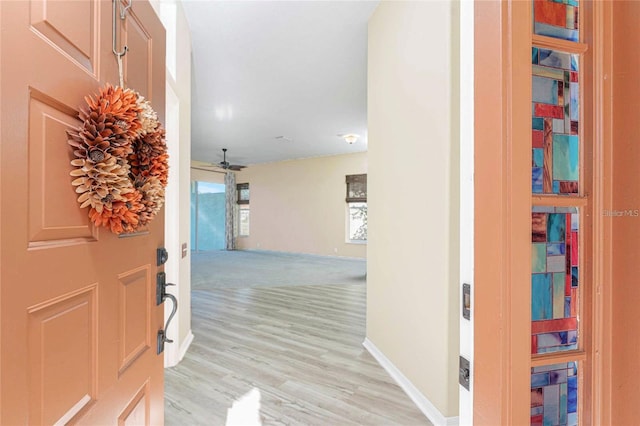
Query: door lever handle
x=174 y=309
x=162 y=334
x=161 y=287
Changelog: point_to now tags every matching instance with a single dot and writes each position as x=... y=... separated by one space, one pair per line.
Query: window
x=559 y=290
x=243 y=193
x=243 y=221
x=207 y=216
x=357 y=207
x=242 y=189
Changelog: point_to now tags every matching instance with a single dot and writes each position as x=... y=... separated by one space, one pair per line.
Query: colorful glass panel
x=555 y=122
x=556 y=18
x=554 y=279
x=554 y=394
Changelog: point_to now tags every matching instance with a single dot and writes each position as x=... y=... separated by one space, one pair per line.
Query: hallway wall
x=206 y=176
x=299 y=205
x=413 y=251
x=177 y=208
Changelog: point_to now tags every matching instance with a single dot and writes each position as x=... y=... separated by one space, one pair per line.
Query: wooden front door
x=77 y=303
x=584 y=373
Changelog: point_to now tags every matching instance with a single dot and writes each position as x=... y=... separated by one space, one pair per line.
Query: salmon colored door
x=574 y=60
x=78 y=312
x=621 y=317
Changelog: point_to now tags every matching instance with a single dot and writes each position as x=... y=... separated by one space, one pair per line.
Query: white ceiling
x=263 y=69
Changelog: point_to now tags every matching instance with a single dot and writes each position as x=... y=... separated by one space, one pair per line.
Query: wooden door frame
x=502 y=357
x=599 y=105
x=502 y=216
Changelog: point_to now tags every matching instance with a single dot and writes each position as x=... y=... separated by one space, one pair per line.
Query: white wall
x=466 y=193
x=299 y=205
x=205 y=176
x=413 y=252
x=177 y=217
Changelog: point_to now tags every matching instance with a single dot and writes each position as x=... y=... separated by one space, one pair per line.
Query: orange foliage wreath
x=121 y=161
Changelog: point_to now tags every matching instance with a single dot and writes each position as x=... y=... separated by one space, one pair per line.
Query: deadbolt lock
x=161 y=256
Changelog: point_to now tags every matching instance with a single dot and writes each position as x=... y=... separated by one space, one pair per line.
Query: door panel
x=62 y=356
x=134 y=315
x=72 y=32
x=136 y=412
x=138 y=63
x=54 y=217
x=78 y=313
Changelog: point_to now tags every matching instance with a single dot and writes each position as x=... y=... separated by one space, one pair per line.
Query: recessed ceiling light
x=284 y=138
x=350 y=138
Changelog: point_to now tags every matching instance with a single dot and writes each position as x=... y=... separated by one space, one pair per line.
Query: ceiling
x=277 y=80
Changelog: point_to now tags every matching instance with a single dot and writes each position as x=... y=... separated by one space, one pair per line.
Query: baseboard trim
x=427 y=408
x=185 y=345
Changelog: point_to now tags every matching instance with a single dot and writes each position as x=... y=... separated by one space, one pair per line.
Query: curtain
x=230 y=208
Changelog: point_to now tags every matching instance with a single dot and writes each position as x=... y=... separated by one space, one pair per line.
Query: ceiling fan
x=224 y=164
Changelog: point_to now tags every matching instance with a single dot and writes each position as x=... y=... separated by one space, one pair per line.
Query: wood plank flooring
x=300 y=346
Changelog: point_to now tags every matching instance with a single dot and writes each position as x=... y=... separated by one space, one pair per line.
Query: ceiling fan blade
x=207 y=170
x=235 y=167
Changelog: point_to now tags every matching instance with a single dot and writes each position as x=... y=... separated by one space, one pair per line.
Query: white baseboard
x=427 y=408
x=185 y=345
x=173 y=355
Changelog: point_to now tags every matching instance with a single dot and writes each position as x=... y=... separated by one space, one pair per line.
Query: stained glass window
x=556 y=18
x=554 y=394
x=555 y=170
x=554 y=279
x=555 y=122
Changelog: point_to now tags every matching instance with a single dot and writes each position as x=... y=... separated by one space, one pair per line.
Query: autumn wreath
x=121 y=160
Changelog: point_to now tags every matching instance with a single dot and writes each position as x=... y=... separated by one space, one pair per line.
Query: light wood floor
x=301 y=347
